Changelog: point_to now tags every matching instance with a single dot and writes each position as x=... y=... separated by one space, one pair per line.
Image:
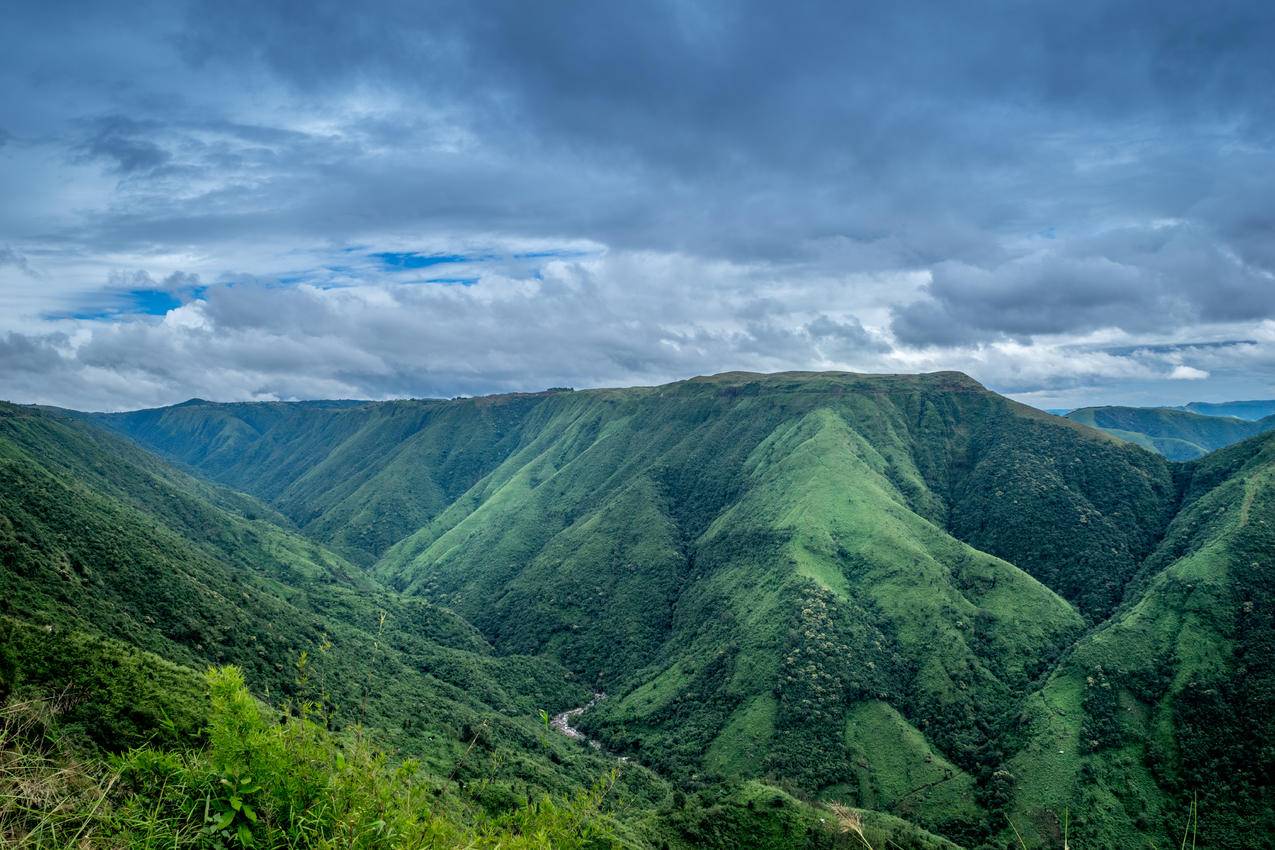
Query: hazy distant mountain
x=1173 y=432
x=1239 y=409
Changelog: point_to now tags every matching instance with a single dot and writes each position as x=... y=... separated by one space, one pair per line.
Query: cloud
x=654 y=190
x=124 y=145
x=1133 y=279
x=1188 y=373
x=581 y=322
x=10 y=257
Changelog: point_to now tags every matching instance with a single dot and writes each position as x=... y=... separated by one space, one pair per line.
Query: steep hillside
x=98 y=537
x=1177 y=434
x=765 y=573
x=1175 y=695
x=745 y=562
x=359 y=476
x=365 y=476
x=898 y=592
x=121 y=575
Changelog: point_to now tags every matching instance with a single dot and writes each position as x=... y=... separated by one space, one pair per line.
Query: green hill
x=700 y=550
x=98 y=537
x=1175 y=433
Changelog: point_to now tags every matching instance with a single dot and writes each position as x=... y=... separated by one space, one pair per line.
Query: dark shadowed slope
x=1175 y=695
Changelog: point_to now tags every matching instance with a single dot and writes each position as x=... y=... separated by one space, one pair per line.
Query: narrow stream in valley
x=562 y=721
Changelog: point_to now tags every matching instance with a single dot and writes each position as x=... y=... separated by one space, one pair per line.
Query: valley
x=962 y=618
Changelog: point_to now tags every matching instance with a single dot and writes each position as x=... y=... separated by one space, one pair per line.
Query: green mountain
x=900 y=593
x=698 y=549
x=123 y=577
x=1175 y=433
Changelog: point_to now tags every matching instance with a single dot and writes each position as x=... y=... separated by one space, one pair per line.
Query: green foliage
x=115 y=694
x=885 y=591
x=285 y=782
x=97 y=537
x=829 y=661
x=265 y=780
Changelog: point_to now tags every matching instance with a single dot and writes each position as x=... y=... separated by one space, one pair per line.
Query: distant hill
x=1251 y=410
x=1173 y=432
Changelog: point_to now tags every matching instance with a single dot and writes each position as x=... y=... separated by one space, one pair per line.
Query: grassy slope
x=359 y=476
x=364 y=476
x=672 y=540
x=1175 y=433
x=1176 y=693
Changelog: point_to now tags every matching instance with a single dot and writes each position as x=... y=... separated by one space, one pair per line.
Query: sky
x=1072 y=202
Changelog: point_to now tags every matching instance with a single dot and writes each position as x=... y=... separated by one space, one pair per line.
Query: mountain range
x=959 y=616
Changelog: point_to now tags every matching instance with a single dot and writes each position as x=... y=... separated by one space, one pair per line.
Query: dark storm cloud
x=1021 y=172
x=756 y=128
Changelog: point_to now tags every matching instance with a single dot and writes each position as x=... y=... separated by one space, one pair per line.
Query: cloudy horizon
x=1074 y=204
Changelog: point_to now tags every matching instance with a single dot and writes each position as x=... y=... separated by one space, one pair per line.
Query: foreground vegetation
x=252 y=777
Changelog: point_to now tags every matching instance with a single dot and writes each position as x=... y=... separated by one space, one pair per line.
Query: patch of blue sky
x=408 y=260
x=552 y=254
x=152 y=302
x=453 y=281
x=133 y=302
